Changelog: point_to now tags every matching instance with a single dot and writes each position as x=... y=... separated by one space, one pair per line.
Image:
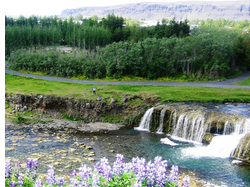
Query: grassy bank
x=245 y=82
x=23 y=85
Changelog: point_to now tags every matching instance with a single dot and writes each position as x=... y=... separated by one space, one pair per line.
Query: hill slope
x=237 y=10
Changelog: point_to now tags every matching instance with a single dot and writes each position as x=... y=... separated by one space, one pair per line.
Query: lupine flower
x=7 y=169
x=73 y=173
x=186 y=181
x=174 y=174
x=118 y=165
x=103 y=168
x=34 y=163
x=13 y=184
x=95 y=179
x=150 y=173
x=60 y=181
x=51 y=176
x=20 y=179
x=19 y=163
x=139 y=168
x=29 y=164
x=38 y=183
x=74 y=182
x=85 y=172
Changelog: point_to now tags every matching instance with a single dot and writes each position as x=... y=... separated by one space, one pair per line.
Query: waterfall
x=145 y=122
x=226 y=128
x=195 y=125
x=220 y=146
x=160 y=128
x=223 y=145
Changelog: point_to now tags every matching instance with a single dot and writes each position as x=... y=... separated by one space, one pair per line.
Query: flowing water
x=211 y=163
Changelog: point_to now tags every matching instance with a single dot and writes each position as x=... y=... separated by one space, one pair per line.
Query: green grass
x=245 y=82
x=23 y=85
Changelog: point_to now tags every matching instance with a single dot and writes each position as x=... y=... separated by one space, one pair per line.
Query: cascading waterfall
x=145 y=122
x=222 y=145
x=192 y=125
x=160 y=129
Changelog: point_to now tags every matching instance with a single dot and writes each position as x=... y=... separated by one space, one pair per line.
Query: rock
x=88 y=105
x=88 y=147
x=113 y=101
x=125 y=99
x=242 y=151
x=111 y=151
x=91 y=154
x=207 y=138
x=72 y=150
x=91 y=159
x=57 y=163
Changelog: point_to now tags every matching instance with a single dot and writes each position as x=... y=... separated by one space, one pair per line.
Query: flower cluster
x=7 y=169
x=136 y=173
x=31 y=165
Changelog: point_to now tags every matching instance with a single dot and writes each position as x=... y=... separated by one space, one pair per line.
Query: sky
x=55 y=7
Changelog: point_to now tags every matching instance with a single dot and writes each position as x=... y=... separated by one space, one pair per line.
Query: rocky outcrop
x=90 y=111
x=242 y=151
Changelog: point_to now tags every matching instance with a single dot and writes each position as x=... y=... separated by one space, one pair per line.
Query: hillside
x=237 y=10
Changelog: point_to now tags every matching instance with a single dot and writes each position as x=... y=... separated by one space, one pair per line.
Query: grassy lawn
x=23 y=85
x=245 y=82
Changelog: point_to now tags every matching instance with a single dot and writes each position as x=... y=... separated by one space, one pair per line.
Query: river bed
x=66 y=150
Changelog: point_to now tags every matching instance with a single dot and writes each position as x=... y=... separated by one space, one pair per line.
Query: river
x=66 y=150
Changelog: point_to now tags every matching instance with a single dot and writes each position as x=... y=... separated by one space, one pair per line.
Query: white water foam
x=168 y=142
x=185 y=140
x=220 y=146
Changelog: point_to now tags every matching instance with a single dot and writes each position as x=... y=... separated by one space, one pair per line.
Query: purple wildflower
x=139 y=168
x=38 y=183
x=174 y=174
x=29 y=164
x=60 y=181
x=186 y=181
x=95 y=179
x=118 y=165
x=51 y=176
x=103 y=168
x=13 y=184
x=7 y=169
x=150 y=173
x=74 y=182
x=85 y=172
x=73 y=173
x=19 y=163
x=20 y=179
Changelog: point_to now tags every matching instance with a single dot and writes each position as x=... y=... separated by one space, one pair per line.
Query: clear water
x=52 y=149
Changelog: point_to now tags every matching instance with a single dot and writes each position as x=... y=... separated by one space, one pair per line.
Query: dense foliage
x=89 y=33
x=136 y=173
x=208 y=53
x=108 y=48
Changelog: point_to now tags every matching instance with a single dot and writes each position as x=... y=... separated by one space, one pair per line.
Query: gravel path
x=219 y=84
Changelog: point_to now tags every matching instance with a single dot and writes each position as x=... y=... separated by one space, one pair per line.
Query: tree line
x=210 y=53
x=36 y=32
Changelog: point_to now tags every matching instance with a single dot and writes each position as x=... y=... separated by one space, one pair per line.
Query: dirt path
x=220 y=84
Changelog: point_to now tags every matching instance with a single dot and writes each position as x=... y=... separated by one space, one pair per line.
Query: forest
x=116 y=47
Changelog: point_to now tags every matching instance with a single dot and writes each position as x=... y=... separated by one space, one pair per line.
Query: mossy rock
x=207 y=138
x=242 y=151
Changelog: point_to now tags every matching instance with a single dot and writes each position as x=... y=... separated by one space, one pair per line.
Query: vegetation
x=107 y=48
x=22 y=85
x=135 y=173
x=245 y=82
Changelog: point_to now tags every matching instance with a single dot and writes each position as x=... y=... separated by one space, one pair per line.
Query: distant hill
x=237 y=10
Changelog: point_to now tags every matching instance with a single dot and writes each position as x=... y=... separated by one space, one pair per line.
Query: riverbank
x=42 y=134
